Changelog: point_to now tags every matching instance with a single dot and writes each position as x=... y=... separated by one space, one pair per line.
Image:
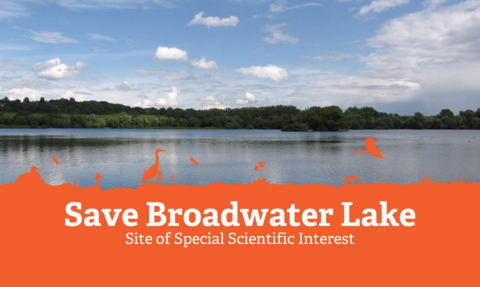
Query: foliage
x=68 y=113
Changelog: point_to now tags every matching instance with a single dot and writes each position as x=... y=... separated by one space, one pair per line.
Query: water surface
x=231 y=155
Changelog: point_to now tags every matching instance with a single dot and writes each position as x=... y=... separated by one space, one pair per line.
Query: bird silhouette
x=193 y=161
x=149 y=174
x=96 y=187
x=55 y=160
x=31 y=178
x=371 y=148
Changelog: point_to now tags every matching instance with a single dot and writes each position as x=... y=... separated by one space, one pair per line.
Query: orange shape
x=55 y=160
x=193 y=161
x=371 y=148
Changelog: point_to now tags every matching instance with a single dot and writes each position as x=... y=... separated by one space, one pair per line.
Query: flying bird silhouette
x=371 y=148
x=55 y=160
x=193 y=161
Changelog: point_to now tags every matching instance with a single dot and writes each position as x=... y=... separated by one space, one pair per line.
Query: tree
x=446 y=112
x=475 y=122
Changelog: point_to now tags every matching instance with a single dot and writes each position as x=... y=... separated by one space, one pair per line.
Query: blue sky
x=398 y=56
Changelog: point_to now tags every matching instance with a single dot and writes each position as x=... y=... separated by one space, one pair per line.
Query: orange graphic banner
x=422 y=234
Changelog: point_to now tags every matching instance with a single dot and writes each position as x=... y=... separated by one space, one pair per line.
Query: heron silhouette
x=96 y=187
x=149 y=174
x=371 y=148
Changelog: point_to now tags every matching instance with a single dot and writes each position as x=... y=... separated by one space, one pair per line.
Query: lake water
x=121 y=156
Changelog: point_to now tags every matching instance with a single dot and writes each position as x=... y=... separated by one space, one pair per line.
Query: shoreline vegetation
x=68 y=113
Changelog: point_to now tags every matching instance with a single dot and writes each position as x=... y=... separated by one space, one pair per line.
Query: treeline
x=67 y=113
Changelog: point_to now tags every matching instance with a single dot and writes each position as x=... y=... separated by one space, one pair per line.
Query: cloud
x=214 y=102
x=101 y=37
x=8 y=66
x=83 y=93
x=21 y=93
x=184 y=76
x=51 y=37
x=53 y=69
x=198 y=19
x=432 y=4
x=170 y=54
x=271 y=72
x=10 y=9
x=422 y=39
x=438 y=49
x=145 y=103
x=127 y=86
x=280 y=6
x=142 y=97
x=170 y=100
x=379 y=6
x=15 y=47
x=277 y=35
x=203 y=64
x=79 y=97
x=333 y=56
x=15 y=8
x=249 y=98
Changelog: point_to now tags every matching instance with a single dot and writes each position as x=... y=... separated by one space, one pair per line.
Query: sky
x=398 y=56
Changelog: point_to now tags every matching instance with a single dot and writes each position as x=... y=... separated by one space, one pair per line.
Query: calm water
x=231 y=155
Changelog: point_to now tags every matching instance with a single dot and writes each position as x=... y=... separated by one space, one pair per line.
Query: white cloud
x=127 y=86
x=170 y=54
x=198 y=19
x=280 y=6
x=425 y=38
x=170 y=100
x=242 y=102
x=277 y=35
x=53 y=69
x=145 y=103
x=79 y=97
x=213 y=102
x=204 y=64
x=10 y=9
x=432 y=4
x=101 y=37
x=439 y=49
x=51 y=37
x=379 y=6
x=271 y=72
x=249 y=98
x=348 y=91
x=21 y=93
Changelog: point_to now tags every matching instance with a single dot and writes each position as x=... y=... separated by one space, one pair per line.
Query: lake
x=230 y=156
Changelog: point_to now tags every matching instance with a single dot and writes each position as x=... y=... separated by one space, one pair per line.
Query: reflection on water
x=230 y=156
